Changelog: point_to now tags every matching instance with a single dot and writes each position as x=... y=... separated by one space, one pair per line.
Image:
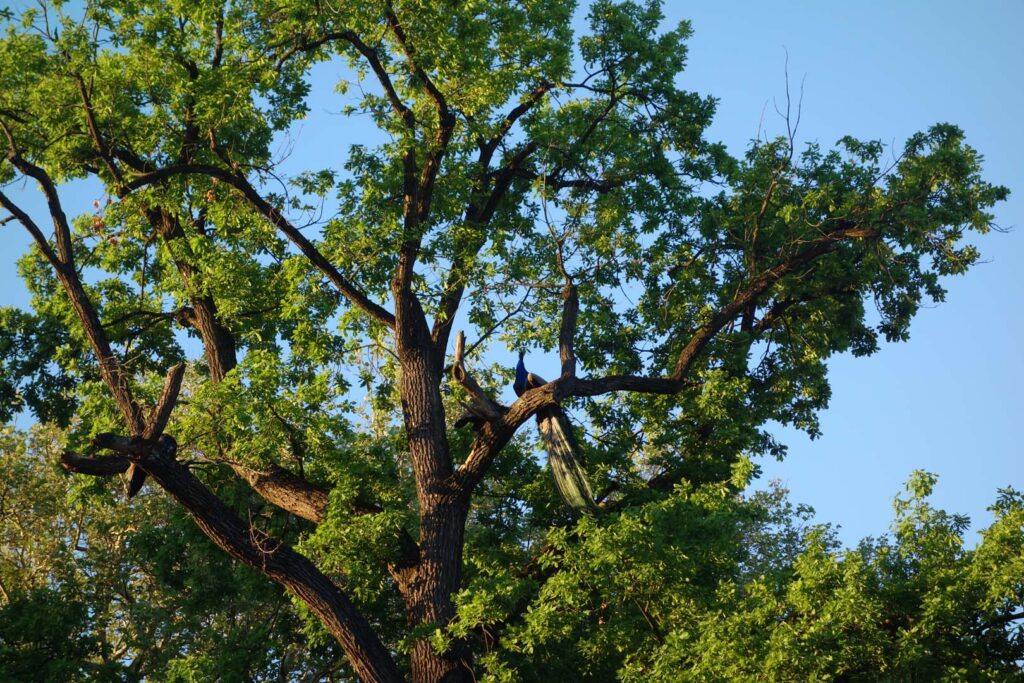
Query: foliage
x=704 y=585
x=95 y=590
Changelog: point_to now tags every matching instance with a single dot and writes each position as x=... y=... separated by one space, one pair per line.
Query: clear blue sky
x=946 y=401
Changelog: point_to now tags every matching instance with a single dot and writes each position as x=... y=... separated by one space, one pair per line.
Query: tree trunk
x=443 y=510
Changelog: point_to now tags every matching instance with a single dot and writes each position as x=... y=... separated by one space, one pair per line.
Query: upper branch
x=535 y=96
x=373 y=59
x=410 y=55
x=308 y=249
x=102 y=149
x=478 y=214
x=761 y=284
x=64 y=267
x=33 y=230
x=62 y=230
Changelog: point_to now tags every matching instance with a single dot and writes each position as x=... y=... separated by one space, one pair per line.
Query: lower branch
x=98 y=467
x=366 y=653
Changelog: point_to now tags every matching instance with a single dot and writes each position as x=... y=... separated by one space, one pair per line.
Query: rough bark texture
x=442 y=510
x=287 y=491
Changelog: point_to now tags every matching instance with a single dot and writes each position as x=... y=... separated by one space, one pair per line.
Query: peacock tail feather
x=563 y=455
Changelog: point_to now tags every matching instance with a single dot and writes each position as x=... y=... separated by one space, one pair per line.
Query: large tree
x=536 y=189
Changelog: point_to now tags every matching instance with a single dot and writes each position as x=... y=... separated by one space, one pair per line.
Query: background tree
x=537 y=190
x=94 y=590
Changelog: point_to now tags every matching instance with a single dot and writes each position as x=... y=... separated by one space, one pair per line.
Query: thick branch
x=287 y=491
x=293 y=494
x=105 y=466
x=161 y=412
x=62 y=230
x=494 y=434
x=367 y=655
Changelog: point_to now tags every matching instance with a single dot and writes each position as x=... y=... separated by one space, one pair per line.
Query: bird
x=561 y=445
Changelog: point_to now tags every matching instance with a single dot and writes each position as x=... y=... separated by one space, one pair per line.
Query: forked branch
x=481 y=406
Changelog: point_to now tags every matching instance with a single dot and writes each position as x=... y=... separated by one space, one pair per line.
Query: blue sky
x=946 y=401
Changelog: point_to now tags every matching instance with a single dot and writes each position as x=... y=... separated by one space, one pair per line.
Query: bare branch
x=1002 y=620
x=373 y=59
x=98 y=467
x=570 y=311
x=482 y=405
x=161 y=412
x=62 y=229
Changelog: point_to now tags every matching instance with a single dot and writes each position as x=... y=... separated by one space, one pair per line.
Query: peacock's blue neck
x=520 y=384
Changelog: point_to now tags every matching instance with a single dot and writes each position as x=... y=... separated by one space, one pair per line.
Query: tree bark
x=443 y=510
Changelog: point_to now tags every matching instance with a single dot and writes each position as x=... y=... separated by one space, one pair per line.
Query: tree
x=538 y=190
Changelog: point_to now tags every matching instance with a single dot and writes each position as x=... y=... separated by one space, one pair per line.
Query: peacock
x=563 y=450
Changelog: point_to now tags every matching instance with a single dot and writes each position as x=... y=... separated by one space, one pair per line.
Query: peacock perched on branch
x=563 y=450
